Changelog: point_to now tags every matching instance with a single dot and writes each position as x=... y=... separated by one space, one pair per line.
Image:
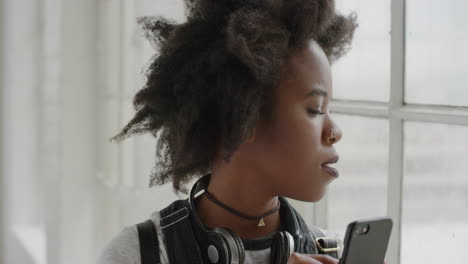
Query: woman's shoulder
x=315 y=231
x=124 y=247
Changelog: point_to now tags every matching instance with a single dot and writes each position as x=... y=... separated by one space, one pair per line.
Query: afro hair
x=213 y=76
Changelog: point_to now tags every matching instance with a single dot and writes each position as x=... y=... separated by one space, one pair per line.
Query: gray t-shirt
x=124 y=248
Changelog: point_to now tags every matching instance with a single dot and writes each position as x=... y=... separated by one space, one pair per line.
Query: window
x=364 y=73
x=410 y=165
x=435 y=192
x=436 y=56
x=363 y=166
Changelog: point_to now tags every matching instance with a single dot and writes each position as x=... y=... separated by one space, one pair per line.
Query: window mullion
x=454 y=115
x=435 y=114
x=360 y=108
x=396 y=140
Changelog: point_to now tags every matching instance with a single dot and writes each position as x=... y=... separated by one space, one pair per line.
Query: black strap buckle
x=327 y=244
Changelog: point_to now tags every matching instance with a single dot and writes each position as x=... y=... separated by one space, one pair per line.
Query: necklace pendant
x=261 y=223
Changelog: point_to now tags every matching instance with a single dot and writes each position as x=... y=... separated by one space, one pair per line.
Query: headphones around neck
x=221 y=245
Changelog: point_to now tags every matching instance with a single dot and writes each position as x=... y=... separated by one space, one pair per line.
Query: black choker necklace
x=260 y=223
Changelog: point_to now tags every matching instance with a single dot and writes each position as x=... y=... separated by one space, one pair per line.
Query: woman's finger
x=297 y=258
x=311 y=259
x=325 y=259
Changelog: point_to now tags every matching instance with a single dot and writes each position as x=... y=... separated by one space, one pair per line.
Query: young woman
x=239 y=94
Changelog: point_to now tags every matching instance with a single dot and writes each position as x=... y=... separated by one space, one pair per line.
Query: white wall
x=2 y=183
x=78 y=129
x=20 y=126
x=48 y=130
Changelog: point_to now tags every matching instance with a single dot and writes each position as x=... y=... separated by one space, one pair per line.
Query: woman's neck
x=243 y=197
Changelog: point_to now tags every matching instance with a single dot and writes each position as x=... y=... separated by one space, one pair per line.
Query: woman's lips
x=334 y=172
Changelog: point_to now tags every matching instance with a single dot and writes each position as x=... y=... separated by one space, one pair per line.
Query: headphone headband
x=199 y=186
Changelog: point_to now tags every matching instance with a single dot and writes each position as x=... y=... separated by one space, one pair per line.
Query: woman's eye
x=315 y=112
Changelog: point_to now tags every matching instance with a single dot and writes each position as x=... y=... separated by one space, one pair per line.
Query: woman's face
x=292 y=149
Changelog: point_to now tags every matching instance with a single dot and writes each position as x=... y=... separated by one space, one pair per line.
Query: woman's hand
x=297 y=258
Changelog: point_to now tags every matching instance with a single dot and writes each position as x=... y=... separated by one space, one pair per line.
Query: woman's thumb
x=297 y=258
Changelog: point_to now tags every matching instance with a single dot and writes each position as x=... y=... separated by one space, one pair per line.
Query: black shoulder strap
x=318 y=243
x=149 y=244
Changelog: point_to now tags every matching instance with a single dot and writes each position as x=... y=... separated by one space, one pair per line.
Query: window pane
x=364 y=73
x=361 y=190
x=435 y=194
x=436 y=55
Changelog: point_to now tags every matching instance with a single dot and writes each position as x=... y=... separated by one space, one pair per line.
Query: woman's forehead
x=308 y=68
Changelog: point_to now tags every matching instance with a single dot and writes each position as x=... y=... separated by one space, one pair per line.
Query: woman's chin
x=311 y=196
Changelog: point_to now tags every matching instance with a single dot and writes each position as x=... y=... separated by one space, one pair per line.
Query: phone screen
x=366 y=241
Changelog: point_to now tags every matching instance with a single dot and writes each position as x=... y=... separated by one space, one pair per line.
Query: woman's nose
x=337 y=133
x=333 y=133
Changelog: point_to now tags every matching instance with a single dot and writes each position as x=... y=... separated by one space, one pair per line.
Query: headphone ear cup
x=217 y=251
x=282 y=246
x=240 y=246
x=291 y=245
x=276 y=253
x=234 y=245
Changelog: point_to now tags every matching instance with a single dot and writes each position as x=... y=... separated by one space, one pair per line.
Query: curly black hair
x=213 y=76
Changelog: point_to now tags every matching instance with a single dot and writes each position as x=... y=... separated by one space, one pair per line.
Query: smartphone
x=366 y=241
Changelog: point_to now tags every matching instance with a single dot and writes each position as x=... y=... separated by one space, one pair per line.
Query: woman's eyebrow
x=318 y=92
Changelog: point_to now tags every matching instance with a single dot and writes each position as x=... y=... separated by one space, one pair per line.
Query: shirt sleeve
x=124 y=248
